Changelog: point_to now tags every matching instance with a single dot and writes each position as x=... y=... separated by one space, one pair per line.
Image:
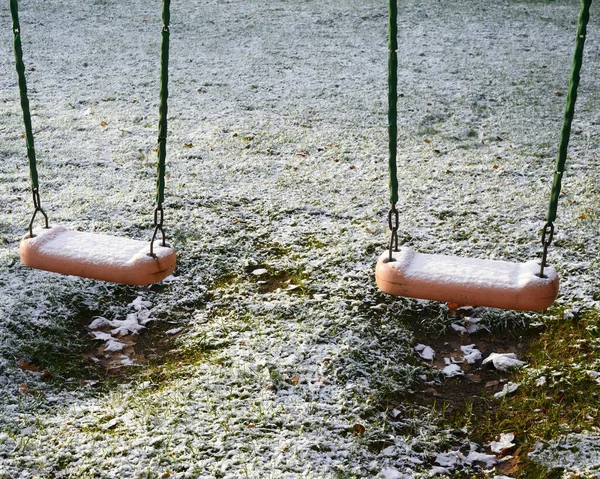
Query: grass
x=556 y=395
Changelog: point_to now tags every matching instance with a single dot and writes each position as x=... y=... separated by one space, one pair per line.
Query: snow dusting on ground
x=276 y=201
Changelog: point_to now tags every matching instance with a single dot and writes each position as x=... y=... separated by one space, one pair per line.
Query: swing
x=107 y=258
x=528 y=286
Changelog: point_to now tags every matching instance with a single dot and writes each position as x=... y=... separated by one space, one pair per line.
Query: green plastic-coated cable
x=393 y=98
x=164 y=94
x=20 y=66
x=584 y=16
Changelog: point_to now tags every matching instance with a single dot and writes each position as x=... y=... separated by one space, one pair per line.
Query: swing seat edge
x=103 y=257
x=467 y=281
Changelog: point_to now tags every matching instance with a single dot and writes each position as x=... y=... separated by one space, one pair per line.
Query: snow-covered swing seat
x=467 y=281
x=531 y=286
x=103 y=257
x=90 y=255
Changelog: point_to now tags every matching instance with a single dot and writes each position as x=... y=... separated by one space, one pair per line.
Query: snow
x=425 y=352
x=504 y=361
x=504 y=442
x=470 y=353
x=503 y=276
x=452 y=370
x=507 y=389
x=91 y=247
x=276 y=160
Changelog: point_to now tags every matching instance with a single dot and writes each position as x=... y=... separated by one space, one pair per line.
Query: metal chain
x=29 y=140
x=547 y=237
x=548 y=232
x=393 y=223
x=158 y=226
x=162 y=128
x=37 y=203
x=393 y=217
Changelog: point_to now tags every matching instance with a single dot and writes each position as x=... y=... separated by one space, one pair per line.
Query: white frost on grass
x=507 y=389
x=595 y=375
x=541 y=381
x=576 y=453
x=392 y=473
x=300 y=187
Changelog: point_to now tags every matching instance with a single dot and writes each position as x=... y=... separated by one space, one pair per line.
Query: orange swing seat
x=103 y=257
x=467 y=281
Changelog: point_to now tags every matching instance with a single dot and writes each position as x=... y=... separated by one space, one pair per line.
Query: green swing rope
x=162 y=123
x=548 y=232
x=20 y=66
x=162 y=127
x=393 y=220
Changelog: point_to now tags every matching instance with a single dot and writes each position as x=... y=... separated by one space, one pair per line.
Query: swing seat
x=89 y=255
x=467 y=281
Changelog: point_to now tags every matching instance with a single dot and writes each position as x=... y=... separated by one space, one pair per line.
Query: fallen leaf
x=495 y=167
x=359 y=429
x=25 y=366
x=427 y=140
x=453 y=306
x=503 y=443
x=103 y=123
x=295 y=380
x=582 y=217
x=24 y=389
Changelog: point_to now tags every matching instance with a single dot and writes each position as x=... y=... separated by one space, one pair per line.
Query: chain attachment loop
x=158 y=226
x=37 y=204
x=393 y=223
x=547 y=237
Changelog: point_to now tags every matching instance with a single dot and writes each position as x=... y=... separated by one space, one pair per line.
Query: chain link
x=158 y=226
x=547 y=237
x=393 y=223
x=37 y=204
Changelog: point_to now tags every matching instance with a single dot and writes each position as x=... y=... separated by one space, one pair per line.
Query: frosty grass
x=277 y=162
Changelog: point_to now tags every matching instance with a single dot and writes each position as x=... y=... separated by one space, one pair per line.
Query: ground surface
x=270 y=353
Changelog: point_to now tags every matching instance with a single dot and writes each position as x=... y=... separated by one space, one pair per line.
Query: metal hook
x=393 y=223
x=547 y=237
x=158 y=226
x=37 y=203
